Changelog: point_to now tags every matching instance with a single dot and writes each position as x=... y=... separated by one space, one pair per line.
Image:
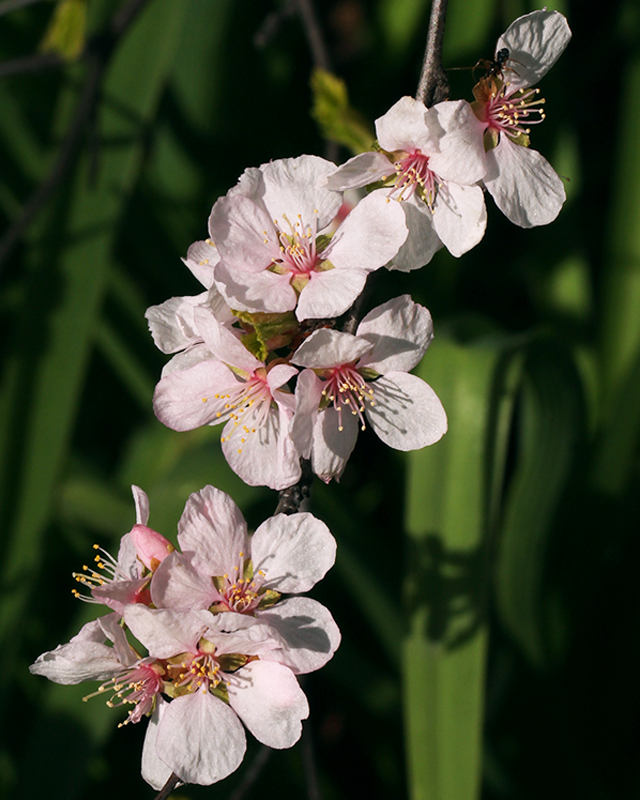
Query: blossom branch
x=433 y=86
x=169 y=786
x=290 y=500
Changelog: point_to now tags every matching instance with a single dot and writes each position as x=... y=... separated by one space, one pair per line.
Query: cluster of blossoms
x=223 y=644
x=260 y=352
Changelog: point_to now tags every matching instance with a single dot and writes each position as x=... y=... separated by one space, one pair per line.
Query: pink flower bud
x=151 y=547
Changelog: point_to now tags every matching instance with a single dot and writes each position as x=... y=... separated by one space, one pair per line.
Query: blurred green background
x=487 y=587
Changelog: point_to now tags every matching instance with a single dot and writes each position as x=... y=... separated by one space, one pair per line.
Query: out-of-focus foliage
x=512 y=608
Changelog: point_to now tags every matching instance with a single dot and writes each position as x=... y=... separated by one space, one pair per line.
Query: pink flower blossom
x=523 y=184
x=269 y=231
x=431 y=162
x=231 y=386
x=350 y=381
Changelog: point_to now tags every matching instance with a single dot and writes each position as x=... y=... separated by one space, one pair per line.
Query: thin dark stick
x=169 y=786
x=28 y=64
x=98 y=53
x=314 y=34
x=13 y=5
x=290 y=500
x=252 y=774
x=433 y=86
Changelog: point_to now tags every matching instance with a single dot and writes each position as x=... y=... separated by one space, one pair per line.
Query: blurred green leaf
x=338 y=122
x=551 y=425
x=67 y=31
x=453 y=493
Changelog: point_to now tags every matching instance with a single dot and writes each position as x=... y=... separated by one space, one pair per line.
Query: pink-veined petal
x=359 y=171
x=460 y=217
x=535 y=42
x=327 y=348
x=268 y=699
x=177 y=584
x=407 y=414
x=212 y=531
x=309 y=631
x=293 y=552
x=200 y=738
x=400 y=331
x=523 y=184
x=244 y=233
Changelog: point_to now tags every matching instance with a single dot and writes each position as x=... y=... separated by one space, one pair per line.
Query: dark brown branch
x=433 y=86
x=290 y=500
x=98 y=52
x=169 y=786
x=314 y=34
x=30 y=64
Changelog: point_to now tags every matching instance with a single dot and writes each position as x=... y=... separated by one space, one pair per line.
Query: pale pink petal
x=279 y=375
x=166 y=632
x=195 y=354
x=535 y=42
x=81 y=659
x=223 y=343
x=201 y=259
x=186 y=399
x=359 y=171
x=332 y=446
x=200 y=738
x=213 y=531
x=407 y=414
x=264 y=455
x=177 y=584
x=293 y=186
x=128 y=564
x=523 y=184
x=460 y=217
x=460 y=155
x=119 y=594
x=370 y=236
x=142 y=505
x=309 y=631
x=330 y=293
x=327 y=348
x=268 y=699
x=264 y=291
x=112 y=629
x=404 y=127
x=422 y=242
x=244 y=234
x=292 y=552
x=171 y=323
x=400 y=331
x=154 y=771
x=308 y=396
x=250 y=184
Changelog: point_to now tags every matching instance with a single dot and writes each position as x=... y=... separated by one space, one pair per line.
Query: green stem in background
x=452 y=504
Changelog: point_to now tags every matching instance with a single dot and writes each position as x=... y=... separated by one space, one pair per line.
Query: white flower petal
x=270 y=702
x=244 y=233
x=422 y=242
x=327 y=348
x=201 y=259
x=359 y=171
x=332 y=446
x=142 y=505
x=212 y=531
x=166 y=632
x=460 y=155
x=200 y=738
x=523 y=184
x=171 y=323
x=370 y=236
x=223 y=343
x=460 y=217
x=330 y=293
x=309 y=630
x=82 y=659
x=177 y=584
x=263 y=291
x=308 y=396
x=195 y=354
x=293 y=552
x=293 y=186
x=407 y=414
x=535 y=42
x=154 y=771
x=400 y=331
x=404 y=127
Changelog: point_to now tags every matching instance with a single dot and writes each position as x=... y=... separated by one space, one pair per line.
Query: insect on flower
x=495 y=68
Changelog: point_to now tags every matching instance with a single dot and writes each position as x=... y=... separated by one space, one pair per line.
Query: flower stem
x=433 y=86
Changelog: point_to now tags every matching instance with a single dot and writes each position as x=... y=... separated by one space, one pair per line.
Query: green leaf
x=338 y=122
x=453 y=494
x=66 y=33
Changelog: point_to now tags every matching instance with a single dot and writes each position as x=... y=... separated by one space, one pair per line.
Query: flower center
x=298 y=251
x=137 y=686
x=414 y=175
x=247 y=406
x=196 y=671
x=506 y=111
x=346 y=388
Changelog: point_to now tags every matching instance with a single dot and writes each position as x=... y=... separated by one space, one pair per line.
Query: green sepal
x=322 y=242
x=230 y=662
x=221 y=692
x=247 y=572
x=266 y=330
x=219 y=581
x=523 y=140
x=491 y=139
x=66 y=34
x=368 y=374
x=269 y=598
x=337 y=120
